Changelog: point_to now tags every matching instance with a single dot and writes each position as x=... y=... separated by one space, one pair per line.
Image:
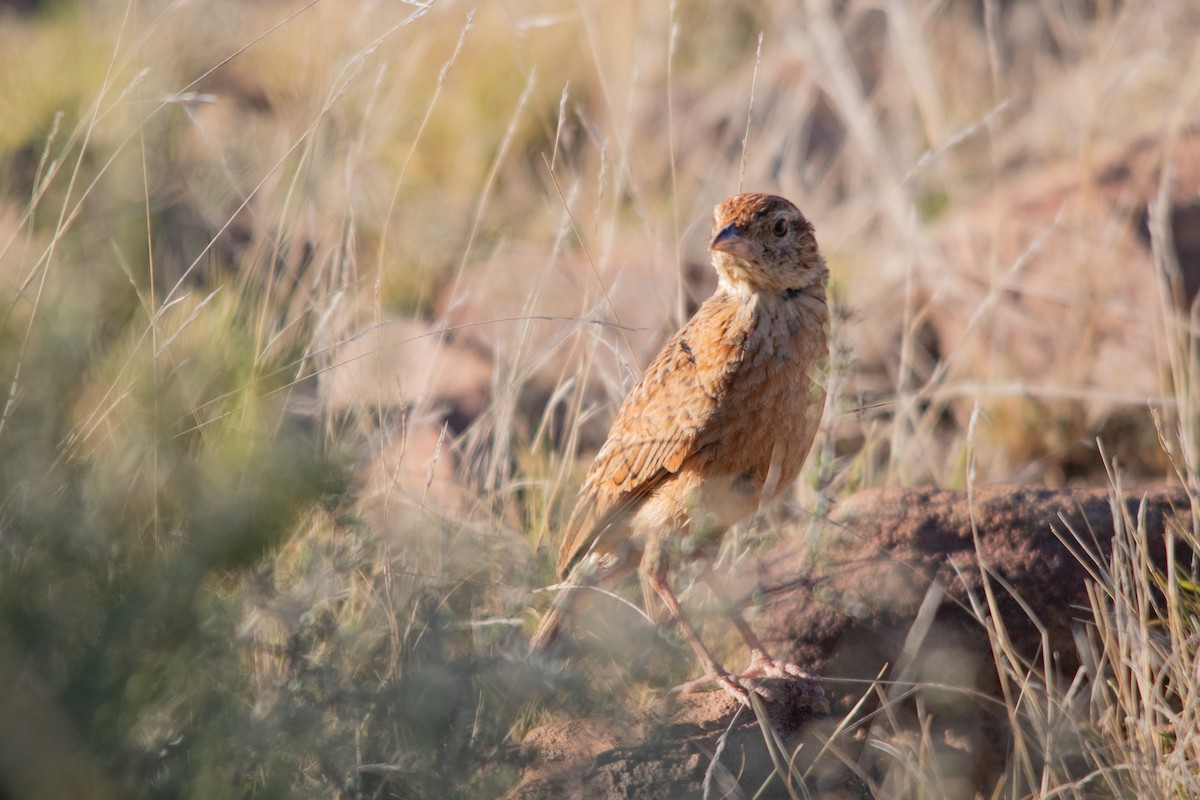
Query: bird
x=717 y=426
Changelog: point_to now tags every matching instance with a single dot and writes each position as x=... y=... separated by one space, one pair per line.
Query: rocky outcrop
x=895 y=589
x=848 y=608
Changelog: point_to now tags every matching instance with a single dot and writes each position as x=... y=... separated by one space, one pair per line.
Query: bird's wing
x=660 y=424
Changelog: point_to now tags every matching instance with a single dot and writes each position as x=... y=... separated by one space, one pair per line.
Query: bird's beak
x=731 y=240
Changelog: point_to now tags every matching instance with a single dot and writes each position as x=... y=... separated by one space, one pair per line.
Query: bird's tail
x=566 y=593
x=549 y=628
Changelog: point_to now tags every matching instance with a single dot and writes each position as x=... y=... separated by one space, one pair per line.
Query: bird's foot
x=738 y=687
x=767 y=667
x=811 y=689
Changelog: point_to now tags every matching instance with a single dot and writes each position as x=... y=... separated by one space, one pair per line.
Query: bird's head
x=763 y=243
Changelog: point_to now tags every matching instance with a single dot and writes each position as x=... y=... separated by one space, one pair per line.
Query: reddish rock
x=413 y=472
x=414 y=392
x=545 y=320
x=852 y=603
x=851 y=610
x=1058 y=264
x=1042 y=301
x=407 y=364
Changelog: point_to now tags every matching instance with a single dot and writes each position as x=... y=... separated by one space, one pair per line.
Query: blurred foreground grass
x=202 y=204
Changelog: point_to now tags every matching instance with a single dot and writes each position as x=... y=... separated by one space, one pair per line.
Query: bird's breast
x=771 y=410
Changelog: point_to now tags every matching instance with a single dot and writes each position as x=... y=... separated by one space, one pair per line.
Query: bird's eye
x=780 y=228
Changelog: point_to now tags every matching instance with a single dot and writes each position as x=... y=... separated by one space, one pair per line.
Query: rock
x=853 y=611
x=534 y=305
x=412 y=472
x=683 y=744
x=1058 y=263
x=407 y=364
x=1012 y=292
x=545 y=321
x=884 y=548
x=412 y=392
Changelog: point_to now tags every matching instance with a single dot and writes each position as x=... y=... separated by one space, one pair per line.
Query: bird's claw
x=774 y=668
x=738 y=687
x=810 y=686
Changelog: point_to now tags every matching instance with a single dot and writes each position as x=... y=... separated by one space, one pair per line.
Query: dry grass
x=217 y=583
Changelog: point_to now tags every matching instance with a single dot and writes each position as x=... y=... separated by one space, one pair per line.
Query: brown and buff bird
x=718 y=424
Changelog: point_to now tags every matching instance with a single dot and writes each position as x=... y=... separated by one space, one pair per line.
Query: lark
x=718 y=425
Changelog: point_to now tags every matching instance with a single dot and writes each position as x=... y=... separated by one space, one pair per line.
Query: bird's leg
x=654 y=572
x=762 y=663
x=712 y=669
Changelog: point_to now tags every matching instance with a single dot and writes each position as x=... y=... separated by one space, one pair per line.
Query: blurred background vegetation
x=313 y=312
